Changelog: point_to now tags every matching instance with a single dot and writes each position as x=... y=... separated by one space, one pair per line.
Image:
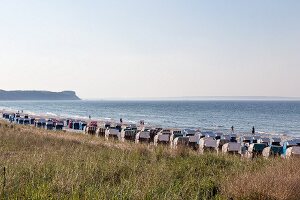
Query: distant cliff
x=19 y=95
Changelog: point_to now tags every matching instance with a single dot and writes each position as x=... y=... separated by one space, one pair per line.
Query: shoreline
x=274 y=118
x=284 y=136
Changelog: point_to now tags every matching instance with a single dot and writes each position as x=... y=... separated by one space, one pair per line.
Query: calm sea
x=266 y=116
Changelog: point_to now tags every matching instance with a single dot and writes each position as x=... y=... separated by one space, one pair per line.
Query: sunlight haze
x=160 y=48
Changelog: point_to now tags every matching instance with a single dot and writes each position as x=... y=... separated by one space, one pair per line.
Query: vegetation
x=40 y=164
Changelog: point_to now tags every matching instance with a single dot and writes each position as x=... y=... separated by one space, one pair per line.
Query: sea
x=282 y=117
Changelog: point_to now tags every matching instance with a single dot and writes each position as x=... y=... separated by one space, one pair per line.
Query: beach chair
x=32 y=121
x=20 y=120
x=276 y=141
x=233 y=137
x=82 y=125
x=49 y=125
x=231 y=148
x=224 y=139
x=107 y=125
x=113 y=132
x=266 y=141
x=5 y=115
x=208 y=144
x=255 y=139
x=163 y=137
x=209 y=134
x=128 y=133
x=218 y=135
x=59 y=125
x=100 y=132
x=291 y=148
x=255 y=150
x=26 y=121
x=181 y=141
x=293 y=152
x=76 y=125
x=174 y=134
x=70 y=124
x=143 y=136
x=153 y=133
x=194 y=139
x=272 y=151
x=91 y=128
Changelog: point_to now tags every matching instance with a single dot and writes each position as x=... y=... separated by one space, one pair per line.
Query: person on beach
x=232 y=129
x=121 y=120
x=253 y=130
x=90 y=117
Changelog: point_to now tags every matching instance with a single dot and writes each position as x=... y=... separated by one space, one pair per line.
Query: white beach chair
x=231 y=147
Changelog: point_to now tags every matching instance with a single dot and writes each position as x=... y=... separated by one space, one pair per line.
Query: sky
x=157 y=48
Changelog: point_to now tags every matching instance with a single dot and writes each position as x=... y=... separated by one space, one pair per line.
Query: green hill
x=37 y=95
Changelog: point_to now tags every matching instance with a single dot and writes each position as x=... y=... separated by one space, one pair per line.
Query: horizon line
x=199 y=98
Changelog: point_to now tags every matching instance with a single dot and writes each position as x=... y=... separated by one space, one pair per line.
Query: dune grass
x=278 y=180
x=55 y=165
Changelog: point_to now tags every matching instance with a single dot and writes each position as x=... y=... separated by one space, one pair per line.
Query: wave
x=3 y=108
x=51 y=114
x=30 y=113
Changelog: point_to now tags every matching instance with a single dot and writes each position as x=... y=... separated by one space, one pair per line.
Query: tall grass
x=279 y=180
x=56 y=165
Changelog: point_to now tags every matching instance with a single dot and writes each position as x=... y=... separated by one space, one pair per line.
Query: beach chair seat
x=293 y=151
x=59 y=126
x=180 y=141
x=91 y=130
x=163 y=138
x=231 y=147
x=112 y=133
x=257 y=147
x=208 y=144
x=276 y=150
x=129 y=135
x=100 y=131
x=234 y=147
x=195 y=138
x=143 y=136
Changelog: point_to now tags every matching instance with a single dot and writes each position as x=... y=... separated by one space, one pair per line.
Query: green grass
x=56 y=165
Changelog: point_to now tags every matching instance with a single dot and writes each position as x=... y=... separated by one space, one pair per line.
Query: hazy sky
x=154 y=48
